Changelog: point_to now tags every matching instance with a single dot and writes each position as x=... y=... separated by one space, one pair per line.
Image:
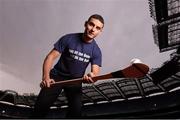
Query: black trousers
x=47 y=96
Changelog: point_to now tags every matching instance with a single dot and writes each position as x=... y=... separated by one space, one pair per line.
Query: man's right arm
x=47 y=66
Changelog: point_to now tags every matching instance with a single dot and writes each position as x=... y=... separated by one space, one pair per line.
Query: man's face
x=93 y=28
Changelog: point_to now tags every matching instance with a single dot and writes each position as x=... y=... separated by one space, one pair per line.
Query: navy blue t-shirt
x=76 y=55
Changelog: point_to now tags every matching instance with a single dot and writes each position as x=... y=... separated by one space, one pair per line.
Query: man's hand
x=46 y=83
x=88 y=78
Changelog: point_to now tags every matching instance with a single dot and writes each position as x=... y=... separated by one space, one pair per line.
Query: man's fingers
x=87 y=79
x=90 y=79
x=42 y=84
x=47 y=83
x=52 y=81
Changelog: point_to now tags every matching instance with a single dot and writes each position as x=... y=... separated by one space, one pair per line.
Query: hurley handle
x=135 y=70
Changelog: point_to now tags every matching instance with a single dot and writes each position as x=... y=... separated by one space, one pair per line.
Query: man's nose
x=94 y=28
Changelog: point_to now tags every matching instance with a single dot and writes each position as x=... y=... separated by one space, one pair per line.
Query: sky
x=29 y=28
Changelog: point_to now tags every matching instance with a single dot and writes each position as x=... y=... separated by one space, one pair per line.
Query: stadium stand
x=112 y=98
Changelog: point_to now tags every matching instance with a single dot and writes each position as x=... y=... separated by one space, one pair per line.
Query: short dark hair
x=96 y=16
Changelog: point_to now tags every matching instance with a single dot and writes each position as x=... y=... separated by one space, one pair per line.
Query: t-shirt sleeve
x=61 y=44
x=97 y=57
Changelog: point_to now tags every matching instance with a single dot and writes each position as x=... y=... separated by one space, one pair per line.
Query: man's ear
x=85 y=24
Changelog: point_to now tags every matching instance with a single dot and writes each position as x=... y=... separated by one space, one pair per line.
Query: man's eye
x=98 y=28
x=91 y=24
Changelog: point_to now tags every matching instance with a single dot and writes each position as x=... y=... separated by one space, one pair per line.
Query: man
x=76 y=51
